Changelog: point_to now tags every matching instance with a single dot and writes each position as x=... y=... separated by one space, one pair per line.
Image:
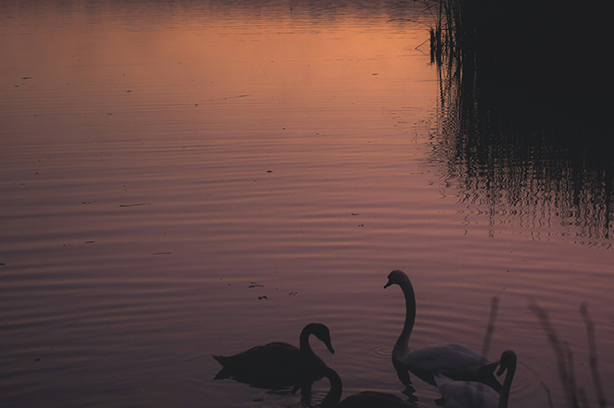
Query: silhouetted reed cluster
x=525 y=102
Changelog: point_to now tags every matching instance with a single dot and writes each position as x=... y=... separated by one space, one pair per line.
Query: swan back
x=465 y=394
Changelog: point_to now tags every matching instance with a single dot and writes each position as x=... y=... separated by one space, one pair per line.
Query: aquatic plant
x=575 y=396
x=522 y=119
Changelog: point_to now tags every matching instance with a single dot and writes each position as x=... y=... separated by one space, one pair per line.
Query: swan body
x=465 y=394
x=453 y=360
x=365 y=399
x=277 y=364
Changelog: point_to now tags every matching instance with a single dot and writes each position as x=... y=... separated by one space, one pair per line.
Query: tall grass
x=536 y=48
x=575 y=396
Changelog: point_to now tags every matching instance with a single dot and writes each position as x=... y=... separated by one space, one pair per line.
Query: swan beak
x=330 y=348
x=388 y=284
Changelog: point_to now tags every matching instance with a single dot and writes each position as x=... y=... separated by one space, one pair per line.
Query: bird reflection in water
x=365 y=399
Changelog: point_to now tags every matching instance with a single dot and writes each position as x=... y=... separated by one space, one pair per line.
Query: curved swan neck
x=334 y=395
x=306 y=350
x=410 y=315
x=507 y=384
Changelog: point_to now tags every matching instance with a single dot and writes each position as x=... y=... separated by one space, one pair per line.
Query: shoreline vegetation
x=525 y=104
x=575 y=396
x=525 y=101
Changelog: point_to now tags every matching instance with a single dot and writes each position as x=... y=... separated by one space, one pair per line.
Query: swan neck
x=410 y=316
x=306 y=350
x=507 y=384
x=334 y=395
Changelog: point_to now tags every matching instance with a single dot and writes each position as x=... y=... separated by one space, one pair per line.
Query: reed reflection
x=523 y=121
x=279 y=365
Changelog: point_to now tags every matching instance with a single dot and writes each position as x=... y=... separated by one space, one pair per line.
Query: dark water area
x=524 y=109
x=182 y=179
x=552 y=161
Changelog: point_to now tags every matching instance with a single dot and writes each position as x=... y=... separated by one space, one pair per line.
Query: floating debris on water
x=134 y=205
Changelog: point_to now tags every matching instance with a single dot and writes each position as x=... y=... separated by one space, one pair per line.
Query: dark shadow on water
x=524 y=125
x=365 y=399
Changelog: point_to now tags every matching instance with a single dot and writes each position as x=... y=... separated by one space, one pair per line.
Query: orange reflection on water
x=290 y=74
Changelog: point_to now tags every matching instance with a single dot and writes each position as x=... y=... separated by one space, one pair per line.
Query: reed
x=574 y=395
x=490 y=327
x=554 y=49
x=592 y=347
x=523 y=86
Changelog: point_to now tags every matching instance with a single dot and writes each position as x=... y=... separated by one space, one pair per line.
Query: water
x=181 y=179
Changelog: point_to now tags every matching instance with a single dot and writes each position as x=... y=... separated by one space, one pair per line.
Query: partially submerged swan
x=453 y=360
x=277 y=364
x=464 y=394
x=365 y=399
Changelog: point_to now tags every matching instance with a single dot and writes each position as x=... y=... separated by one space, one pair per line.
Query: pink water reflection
x=157 y=159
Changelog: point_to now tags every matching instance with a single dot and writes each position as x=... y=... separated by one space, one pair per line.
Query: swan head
x=322 y=333
x=508 y=359
x=396 y=276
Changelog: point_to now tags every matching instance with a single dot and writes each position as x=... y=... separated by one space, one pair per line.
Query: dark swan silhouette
x=464 y=394
x=365 y=399
x=453 y=360
x=277 y=365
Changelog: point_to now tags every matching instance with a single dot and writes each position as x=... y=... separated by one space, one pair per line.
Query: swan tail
x=485 y=374
x=487 y=369
x=223 y=360
x=225 y=371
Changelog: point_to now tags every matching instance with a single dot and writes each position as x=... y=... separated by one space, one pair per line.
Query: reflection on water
x=362 y=399
x=524 y=136
x=186 y=178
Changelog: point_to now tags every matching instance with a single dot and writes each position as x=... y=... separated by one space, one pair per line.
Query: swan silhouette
x=365 y=399
x=277 y=365
x=464 y=394
x=453 y=360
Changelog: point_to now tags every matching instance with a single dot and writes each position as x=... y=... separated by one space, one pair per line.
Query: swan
x=453 y=360
x=464 y=394
x=277 y=364
x=365 y=399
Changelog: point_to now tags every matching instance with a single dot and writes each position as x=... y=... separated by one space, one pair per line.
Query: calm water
x=182 y=178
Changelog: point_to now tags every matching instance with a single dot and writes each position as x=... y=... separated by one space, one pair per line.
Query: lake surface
x=186 y=178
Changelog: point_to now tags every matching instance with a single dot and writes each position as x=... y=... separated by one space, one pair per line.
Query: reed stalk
x=574 y=395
